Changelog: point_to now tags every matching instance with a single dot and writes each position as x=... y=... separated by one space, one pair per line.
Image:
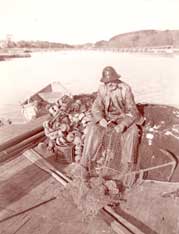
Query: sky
x=82 y=21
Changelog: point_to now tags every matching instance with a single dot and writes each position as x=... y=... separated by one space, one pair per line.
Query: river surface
x=153 y=78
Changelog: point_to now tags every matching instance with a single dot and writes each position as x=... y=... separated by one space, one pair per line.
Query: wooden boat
x=35 y=105
x=31 y=199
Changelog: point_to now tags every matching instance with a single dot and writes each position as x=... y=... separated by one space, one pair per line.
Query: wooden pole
x=27 y=210
x=20 y=138
x=15 y=149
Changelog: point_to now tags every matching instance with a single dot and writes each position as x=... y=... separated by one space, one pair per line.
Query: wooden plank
x=9 y=135
x=41 y=162
x=10 y=168
x=12 y=201
x=14 y=188
x=148 y=209
x=21 y=226
x=128 y=226
x=13 y=225
x=26 y=210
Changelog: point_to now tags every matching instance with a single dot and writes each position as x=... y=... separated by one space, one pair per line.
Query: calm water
x=153 y=78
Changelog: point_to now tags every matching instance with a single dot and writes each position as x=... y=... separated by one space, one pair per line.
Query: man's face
x=112 y=86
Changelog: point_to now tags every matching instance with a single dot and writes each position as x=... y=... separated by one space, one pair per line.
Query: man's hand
x=103 y=123
x=120 y=128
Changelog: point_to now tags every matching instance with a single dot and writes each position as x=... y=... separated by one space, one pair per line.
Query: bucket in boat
x=67 y=151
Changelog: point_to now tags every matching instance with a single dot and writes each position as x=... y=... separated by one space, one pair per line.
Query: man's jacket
x=122 y=102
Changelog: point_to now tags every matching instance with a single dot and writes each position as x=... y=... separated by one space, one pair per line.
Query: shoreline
x=6 y=53
x=7 y=56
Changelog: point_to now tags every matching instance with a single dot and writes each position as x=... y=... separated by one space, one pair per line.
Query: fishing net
x=92 y=195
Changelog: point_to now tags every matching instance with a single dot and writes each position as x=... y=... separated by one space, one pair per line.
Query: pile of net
x=92 y=195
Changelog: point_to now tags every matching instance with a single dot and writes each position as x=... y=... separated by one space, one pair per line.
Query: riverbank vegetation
x=138 y=41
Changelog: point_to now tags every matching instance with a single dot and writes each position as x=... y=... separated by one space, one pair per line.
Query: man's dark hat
x=114 y=77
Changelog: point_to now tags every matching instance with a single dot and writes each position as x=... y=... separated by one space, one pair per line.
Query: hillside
x=144 y=38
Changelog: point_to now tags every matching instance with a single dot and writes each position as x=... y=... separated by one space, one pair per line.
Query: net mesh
x=92 y=195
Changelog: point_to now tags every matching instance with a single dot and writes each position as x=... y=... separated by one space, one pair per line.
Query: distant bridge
x=154 y=49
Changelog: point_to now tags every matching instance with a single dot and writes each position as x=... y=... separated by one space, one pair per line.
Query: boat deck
x=24 y=185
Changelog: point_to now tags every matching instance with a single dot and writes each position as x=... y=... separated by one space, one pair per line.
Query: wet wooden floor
x=149 y=210
x=24 y=185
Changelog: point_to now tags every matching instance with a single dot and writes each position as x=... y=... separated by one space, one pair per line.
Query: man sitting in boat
x=113 y=131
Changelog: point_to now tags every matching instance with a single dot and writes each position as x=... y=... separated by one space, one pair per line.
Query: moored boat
x=23 y=183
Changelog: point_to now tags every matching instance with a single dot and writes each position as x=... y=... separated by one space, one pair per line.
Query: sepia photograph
x=89 y=117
